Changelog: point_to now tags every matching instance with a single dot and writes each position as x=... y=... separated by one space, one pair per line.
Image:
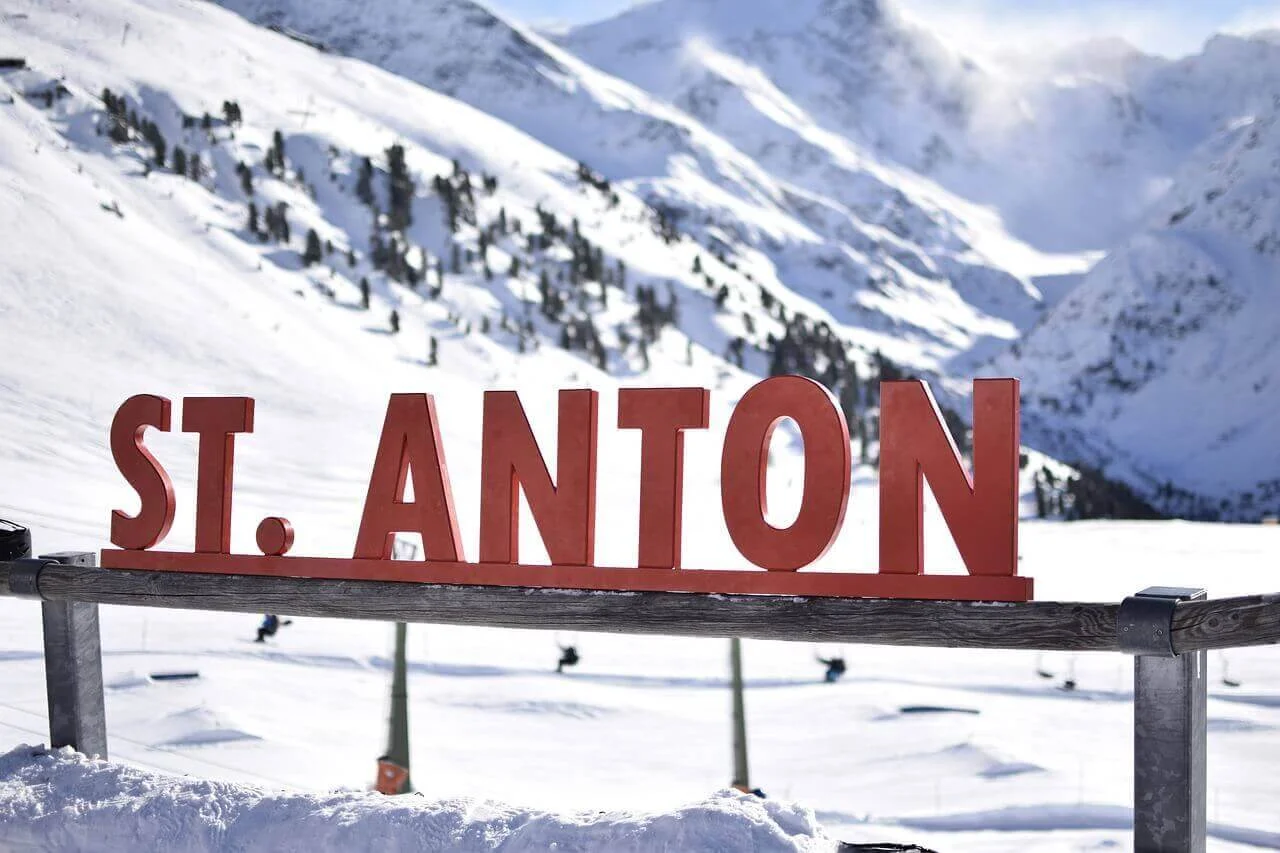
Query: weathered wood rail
x=1035 y=625
x=1168 y=631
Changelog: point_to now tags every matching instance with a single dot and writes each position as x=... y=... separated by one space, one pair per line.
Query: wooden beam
x=1226 y=623
x=1033 y=625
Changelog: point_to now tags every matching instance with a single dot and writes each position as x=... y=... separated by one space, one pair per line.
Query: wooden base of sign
x=728 y=582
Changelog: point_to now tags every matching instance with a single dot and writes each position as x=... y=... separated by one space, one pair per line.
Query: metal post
x=73 y=669
x=741 y=777
x=1169 y=725
x=398 y=739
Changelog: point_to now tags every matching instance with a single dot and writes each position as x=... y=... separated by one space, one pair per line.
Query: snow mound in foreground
x=61 y=800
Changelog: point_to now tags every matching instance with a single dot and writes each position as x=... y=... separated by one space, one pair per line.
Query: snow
x=173 y=296
x=56 y=801
x=828 y=235
x=641 y=725
x=1181 y=314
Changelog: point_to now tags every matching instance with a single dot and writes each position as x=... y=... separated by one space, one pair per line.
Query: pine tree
x=253 y=219
x=395 y=322
x=275 y=156
x=351 y=258
x=179 y=160
x=283 y=221
x=157 y=140
x=433 y=352
x=196 y=167
x=246 y=178
x=364 y=293
x=312 y=254
x=118 y=131
x=364 y=182
x=400 y=190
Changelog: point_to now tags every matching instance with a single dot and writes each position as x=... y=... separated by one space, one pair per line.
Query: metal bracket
x=72 y=558
x=24 y=577
x=1144 y=623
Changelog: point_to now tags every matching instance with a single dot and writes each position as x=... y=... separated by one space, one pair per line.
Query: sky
x=1170 y=27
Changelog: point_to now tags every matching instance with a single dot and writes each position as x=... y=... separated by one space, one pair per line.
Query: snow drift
x=60 y=800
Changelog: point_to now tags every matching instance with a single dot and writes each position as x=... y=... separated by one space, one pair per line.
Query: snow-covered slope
x=1080 y=149
x=132 y=277
x=747 y=180
x=1069 y=149
x=890 y=261
x=1161 y=366
x=124 y=278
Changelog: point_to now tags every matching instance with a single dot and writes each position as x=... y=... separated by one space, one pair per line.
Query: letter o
x=744 y=466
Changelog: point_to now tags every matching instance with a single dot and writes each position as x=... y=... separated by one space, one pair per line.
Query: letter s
x=144 y=473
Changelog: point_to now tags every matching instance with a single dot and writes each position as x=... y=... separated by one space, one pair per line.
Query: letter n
x=565 y=511
x=981 y=512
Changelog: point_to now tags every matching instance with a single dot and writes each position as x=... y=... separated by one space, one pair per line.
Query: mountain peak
x=750 y=19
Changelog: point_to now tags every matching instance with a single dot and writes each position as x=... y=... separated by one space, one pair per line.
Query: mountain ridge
x=732 y=228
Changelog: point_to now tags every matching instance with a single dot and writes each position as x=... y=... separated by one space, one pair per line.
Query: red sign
x=981 y=510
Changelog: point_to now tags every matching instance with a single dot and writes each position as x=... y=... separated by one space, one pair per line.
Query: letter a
x=410 y=442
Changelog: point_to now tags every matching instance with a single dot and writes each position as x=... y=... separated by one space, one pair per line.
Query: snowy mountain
x=699 y=190
x=1069 y=149
x=860 y=169
x=889 y=261
x=1161 y=365
x=536 y=223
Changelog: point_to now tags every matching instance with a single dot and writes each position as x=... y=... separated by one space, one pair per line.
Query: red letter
x=565 y=511
x=410 y=439
x=144 y=473
x=981 y=513
x=662 y=415
x=216 y=420
x=744 y=464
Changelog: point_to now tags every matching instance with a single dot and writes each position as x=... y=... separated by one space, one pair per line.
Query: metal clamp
x=1144 y=623
x=24 y=577
x=72 y=558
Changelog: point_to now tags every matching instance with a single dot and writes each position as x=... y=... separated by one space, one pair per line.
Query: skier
x=568 y=657
x=270 y=624
x=835 y=668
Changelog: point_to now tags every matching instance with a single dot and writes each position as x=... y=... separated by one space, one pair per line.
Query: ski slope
x=642 y=725
x=119 y=280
